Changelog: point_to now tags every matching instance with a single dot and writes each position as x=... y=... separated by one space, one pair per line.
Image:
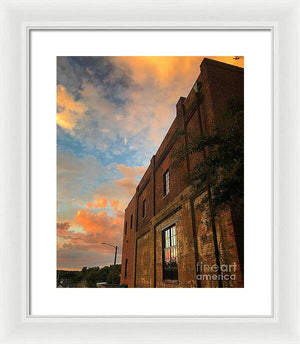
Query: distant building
x=168 y=240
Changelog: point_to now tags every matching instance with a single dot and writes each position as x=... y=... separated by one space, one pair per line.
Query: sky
x=112 y=114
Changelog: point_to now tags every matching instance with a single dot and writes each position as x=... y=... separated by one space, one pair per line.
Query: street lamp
x=115 y=260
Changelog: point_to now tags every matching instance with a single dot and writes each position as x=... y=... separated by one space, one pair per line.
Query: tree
x=221 y=169
x=114 y=273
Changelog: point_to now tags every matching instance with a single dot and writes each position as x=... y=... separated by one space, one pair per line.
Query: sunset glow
x=112 y=114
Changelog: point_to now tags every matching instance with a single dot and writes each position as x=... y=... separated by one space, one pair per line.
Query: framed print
x=148 y=172
x=125 y=194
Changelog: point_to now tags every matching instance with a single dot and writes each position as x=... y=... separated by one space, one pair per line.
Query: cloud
x=74 y=258
x=77 y=175
x=130 y=172
x=119 y=191
x=87 y=228
x=114 y=204
x=76 y=249
x=100 y=223
x=77 y=180
x=62 y=228
x=132 y=98
x=163 y=69
x=156 y=85
x=98 y=203
x=129 y=182
x=111 y=190
x=161 y=81
x=69 y=111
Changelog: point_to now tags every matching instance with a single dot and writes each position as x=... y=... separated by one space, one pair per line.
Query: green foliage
x=89 y=277
x=222 y=166
x=114 y=274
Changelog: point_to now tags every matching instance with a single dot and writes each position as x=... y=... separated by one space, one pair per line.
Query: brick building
x=168 y=239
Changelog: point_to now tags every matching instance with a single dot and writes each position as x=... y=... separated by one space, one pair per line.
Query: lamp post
x=115 y=260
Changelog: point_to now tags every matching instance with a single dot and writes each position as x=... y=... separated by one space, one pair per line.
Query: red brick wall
x=129 y=245
x=221 y=83
x=224 y=82
x=146 y=194
x=143 y=262
x=166 y=140
x=193 y=129
x=226 y=245
x=177 y=174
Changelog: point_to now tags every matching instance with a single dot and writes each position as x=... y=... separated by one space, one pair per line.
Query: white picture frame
x=17 y=19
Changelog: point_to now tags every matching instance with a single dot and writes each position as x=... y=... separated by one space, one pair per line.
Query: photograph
x=150 y=172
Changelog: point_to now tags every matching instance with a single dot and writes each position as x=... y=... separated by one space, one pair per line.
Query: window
x=170 y=269
x=125 y=272
x=144 y=208
x=166 y=182
x=131 y=220
x=125 y=228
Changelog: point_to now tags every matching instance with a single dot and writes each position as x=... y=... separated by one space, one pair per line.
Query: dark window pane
x=126 y=263
x=144 y=208
x=166 y=183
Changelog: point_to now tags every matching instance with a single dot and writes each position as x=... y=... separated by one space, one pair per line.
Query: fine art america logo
x=206 y=272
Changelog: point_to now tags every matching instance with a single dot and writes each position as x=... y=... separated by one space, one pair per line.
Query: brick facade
x=142 y=256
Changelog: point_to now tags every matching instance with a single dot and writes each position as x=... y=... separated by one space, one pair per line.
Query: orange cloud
x=163 y=68
x=129 y=184
x=98 y=203
x=162 y=80
x=62 y=228
x=167 y=68
x=98 y=228
x=69 y=110
x=114 y=204
x=130 y=172
x=98 y=223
